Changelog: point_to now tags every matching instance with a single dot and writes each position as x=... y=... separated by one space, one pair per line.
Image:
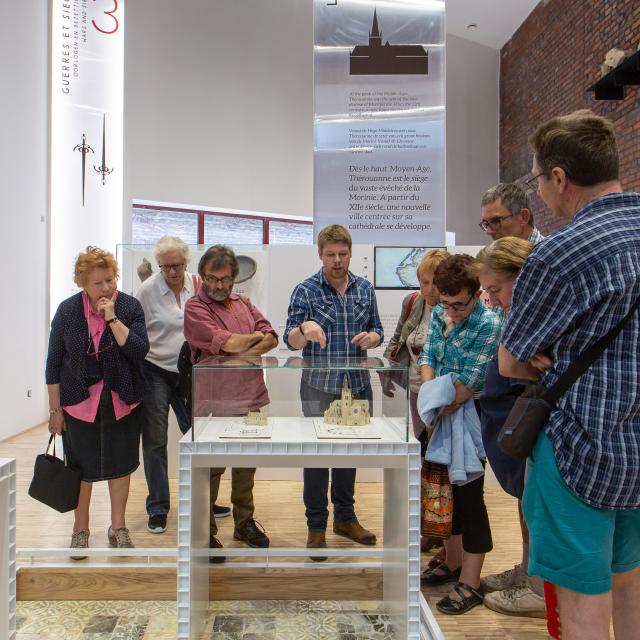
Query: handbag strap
x=586 y=359
x=407 y=311
x=51 y=439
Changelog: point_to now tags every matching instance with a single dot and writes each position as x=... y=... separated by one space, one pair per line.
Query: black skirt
x=105 y=448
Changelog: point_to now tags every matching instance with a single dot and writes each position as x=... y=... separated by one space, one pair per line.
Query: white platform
x=7 y=548
x=294 y=444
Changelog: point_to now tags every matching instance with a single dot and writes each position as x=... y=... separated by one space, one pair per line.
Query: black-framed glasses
x=457 y=306
x=175 y=267
x=531 y=184
x=226 y=280
x=91 y=348
x=493 y=223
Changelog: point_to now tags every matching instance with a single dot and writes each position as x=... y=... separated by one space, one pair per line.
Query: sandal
x=457 y=607
x=437 y=560
x=430 y=578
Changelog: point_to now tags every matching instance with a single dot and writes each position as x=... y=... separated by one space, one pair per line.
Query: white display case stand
x=294 y=444
x=7 y=548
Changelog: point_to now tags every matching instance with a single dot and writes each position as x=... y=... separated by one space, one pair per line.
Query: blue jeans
x=155 y=422
x=316 y=481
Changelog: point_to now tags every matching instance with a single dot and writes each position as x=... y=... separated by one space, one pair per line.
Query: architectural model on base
x=347 y=411
x=256 y=418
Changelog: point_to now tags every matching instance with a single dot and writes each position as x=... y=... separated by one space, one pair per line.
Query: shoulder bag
x=531 y=410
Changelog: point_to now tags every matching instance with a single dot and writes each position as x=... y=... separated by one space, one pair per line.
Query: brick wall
x=545 y=70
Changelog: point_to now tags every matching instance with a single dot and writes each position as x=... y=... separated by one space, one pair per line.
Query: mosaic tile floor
x=259 y=620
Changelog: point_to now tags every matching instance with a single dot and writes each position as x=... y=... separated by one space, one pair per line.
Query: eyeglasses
x=493 y=223
x=226 y=281
x=457 y=306
x=531 y=184
x=91 y=349
x=168 y=267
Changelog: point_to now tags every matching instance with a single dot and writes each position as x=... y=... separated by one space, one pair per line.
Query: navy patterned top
x=70 y=366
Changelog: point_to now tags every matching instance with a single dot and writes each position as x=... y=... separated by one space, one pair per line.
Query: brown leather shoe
x=354 y=531
x=316 y=540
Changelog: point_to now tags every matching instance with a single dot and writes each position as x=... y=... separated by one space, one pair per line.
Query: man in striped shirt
x=582 y=493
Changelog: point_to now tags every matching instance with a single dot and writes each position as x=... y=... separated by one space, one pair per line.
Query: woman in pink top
x=95 y=380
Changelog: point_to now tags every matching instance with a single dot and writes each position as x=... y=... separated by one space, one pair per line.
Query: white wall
x=473 y=126
x=219 y=109
x=24 y=47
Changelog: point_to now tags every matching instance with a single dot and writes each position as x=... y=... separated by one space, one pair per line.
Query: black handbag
x=531 y=410
x=54 y=482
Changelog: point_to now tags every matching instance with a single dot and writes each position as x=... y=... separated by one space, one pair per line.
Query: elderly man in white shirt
x=163 y=297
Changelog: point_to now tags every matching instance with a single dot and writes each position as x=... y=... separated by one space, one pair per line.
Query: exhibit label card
x=87 y=87
x=379 y=125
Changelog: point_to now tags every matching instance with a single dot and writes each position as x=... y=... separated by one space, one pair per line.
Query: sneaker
x=220 y=512
x=214 y=543
x=80 y=540
x=509 y=579
x=520 y=601
x=157 y=523
x=249 y=532
x=119 y=538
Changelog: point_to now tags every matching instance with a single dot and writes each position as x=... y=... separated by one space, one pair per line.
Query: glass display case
x=299 y=400
x=270 y=412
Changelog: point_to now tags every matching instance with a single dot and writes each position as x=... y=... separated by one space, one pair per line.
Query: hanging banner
x=87 y=87
x=379 y=125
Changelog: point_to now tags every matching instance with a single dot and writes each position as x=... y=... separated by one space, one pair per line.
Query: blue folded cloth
x=457 y=439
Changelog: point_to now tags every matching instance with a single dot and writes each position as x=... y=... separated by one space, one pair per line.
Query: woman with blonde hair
x=95 y=381
x=511 y=592
x=408 y=340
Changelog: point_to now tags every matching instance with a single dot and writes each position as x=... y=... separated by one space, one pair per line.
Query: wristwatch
x=112 y=320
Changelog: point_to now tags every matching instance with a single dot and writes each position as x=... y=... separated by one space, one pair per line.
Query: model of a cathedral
x=256 y=418
x=347 y=411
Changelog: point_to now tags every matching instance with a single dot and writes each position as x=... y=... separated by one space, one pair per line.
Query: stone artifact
x=612 y=59
x=144 y=270
x=347 y=411
x=256 y=418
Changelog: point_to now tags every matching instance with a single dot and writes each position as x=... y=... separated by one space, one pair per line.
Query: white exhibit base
x=294 y=444
x=7 y=548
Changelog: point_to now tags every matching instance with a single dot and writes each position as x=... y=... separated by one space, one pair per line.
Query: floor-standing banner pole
x=379 y=126
x=87 y=85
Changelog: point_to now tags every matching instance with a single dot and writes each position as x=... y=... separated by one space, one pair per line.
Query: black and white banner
x=87 y=85
x=379 y=126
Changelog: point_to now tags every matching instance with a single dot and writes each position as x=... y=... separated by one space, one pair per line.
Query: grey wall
x=24 y=50
x=219 y=109
x=219 y=104
x=473 y=121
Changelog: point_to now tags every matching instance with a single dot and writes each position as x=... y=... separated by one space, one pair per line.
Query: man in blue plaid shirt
x=333 y=317
x=582 y=492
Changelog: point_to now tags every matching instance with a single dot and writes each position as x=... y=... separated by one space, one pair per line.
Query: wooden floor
x=279 y=508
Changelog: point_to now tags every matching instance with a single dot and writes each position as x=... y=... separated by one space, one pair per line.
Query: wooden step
x=234 y=584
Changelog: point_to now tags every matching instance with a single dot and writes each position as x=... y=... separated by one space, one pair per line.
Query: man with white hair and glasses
x=163 y=297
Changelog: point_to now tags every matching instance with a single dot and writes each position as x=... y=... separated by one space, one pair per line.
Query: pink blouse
x=88 y=409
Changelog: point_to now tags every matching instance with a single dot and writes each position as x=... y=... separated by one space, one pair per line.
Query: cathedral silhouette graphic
x=388 y=59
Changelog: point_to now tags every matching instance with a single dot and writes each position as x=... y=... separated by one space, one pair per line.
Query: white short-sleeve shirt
x=164 y=318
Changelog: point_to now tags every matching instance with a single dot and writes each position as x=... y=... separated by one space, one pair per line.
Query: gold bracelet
x=56 y=410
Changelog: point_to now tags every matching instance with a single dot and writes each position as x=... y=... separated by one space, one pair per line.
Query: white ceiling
x=497 y=20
